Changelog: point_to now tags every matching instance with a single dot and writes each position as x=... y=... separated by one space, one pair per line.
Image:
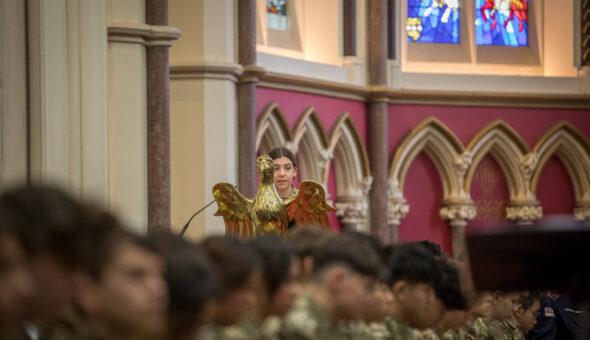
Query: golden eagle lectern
x=267 y=213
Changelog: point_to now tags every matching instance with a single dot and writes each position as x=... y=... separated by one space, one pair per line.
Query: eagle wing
x=309 y=206
x=235 y=210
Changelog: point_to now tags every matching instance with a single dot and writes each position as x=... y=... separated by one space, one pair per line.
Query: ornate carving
x=582 y=213
x=396 y=211
x=326 y=156
x=524 y=214
x=463 y=162
x=394 y=189
x=352 y=212
x=366 y=185
x=464 y=211
x=528 y=164
x=293 y=146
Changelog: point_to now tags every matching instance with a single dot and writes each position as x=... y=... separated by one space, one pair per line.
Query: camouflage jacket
x=506 y=329
x=477 y=330
x=400 y=331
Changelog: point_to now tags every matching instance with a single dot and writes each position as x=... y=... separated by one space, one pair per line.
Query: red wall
x=423 y=188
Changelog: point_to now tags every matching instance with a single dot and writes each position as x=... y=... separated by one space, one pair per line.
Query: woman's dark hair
x=277 y=153
x=276 y=260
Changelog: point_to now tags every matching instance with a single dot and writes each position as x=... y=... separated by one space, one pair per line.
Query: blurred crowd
x=69 y=270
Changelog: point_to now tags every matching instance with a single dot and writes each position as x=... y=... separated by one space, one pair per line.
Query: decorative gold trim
x=148 y=35
x=363 y=93
x=207 y=70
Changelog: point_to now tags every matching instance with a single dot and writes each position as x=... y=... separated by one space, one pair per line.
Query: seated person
x=500 y=321
x=343 y=273
x=526 y=312
x=414 y=271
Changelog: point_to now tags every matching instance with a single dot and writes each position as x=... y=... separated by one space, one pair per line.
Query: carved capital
x=366 y=185
x=582 y=213
x=463 y=162
x=293 y=146
x=524 y=214
x=394 y=190
x=458 y=212
x=353 y=211
x=528 y=164
x=326 y=155
x=396 y=211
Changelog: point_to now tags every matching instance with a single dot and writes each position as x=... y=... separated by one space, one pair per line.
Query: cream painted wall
x=202 y=109
x=67 y=96
x=127 y=118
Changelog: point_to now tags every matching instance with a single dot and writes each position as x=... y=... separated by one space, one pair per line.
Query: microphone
x=195 y=214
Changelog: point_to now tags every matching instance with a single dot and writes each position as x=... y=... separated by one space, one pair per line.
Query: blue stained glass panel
x=433 y=21
x=501 y=22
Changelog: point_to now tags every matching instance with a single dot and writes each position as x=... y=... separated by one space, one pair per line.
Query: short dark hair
x=349 y=251
x=528 y=300
x=305 y=240
x=282 y=152
x=448 y=288
x=410 y=262
x=384 y=275
x=432 y=247
x=276 y=259
x=191 y=278
x=47 y=221
x=234 y=259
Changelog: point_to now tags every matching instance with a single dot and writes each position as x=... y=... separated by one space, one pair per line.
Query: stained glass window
x=433 y=21
x=501 y=22
x=276 y=15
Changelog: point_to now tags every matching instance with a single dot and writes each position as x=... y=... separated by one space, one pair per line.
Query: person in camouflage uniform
x=507 y=329
x=527 y=310
x=414 y=271
x=335 y=299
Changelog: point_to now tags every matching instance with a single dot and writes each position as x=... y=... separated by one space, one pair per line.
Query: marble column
x=349 y=27
x=158 y=121
x=585 y=38
x=247 y=97
x=378 y=118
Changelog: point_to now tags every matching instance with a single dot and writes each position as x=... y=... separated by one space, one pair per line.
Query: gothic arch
x=442 y=147
x=510 y=151
x=272 y=129
x=573 y=149
x=310 y=142
x=352 y=173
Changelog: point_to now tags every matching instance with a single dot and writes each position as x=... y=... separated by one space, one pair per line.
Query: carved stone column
x=378 y=118
x=585 y=39
x=158 y=119
x=457 y=215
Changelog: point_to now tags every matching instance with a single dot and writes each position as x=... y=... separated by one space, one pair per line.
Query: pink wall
x=423 y=188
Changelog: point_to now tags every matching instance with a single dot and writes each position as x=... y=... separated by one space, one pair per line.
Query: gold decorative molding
x=207 y=70
x=148 y=35
x=420 y=97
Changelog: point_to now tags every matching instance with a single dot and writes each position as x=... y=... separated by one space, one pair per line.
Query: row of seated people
x=69 y=270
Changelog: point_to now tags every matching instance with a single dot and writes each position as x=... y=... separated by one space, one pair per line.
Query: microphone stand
x=190 y=219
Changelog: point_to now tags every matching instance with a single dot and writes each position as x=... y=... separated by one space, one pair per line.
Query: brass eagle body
x=267 y=213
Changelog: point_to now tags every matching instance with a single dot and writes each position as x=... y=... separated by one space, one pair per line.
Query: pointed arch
x=509 y=150
x=573 y=149
x=310 y=142
x=441 y=146
x=272 y=129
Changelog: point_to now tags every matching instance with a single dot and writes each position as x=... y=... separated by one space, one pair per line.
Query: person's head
x=123 y=292
x=526 y=311
x=414 y=272
x=16 y=285
x=192 y=284
x=285 y=169
x=281 y=275
x=305 y=240
x=380 y=298
x=344 y=272
x=480 y=305
x=448 y=291
x=50 y=226
x=503 y=304
x=239 y=268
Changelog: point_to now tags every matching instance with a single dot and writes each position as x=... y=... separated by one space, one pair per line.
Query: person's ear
x=334 y=279
x=400 y=290
x=294 y=172
x=307 y=267
x=496 y=297
x=518 y=310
